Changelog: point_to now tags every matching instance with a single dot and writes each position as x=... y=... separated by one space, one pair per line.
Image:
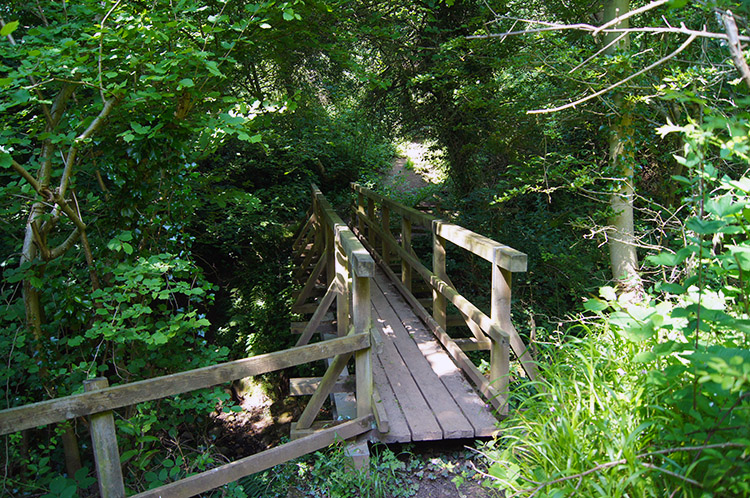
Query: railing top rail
x=110 y=398
x=504 y=256
x=362 y=262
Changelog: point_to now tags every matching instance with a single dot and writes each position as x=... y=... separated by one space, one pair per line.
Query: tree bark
x=621 y=235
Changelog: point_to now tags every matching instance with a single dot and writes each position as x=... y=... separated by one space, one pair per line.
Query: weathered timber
x=447 y=413
x=78 y=405
x=325 y=327
x=398 y=430
x=378 y=411
x=471 y=344
x=211 y=479
x=419 y=417
x=463 y=361
x=104 y=444
x=483 y=247
x=317 y=317
x=306 y=386
x=310 y=284
x=324 y=389
x=466 y=399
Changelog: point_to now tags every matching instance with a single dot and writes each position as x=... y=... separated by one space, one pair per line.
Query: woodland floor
x=263 y=422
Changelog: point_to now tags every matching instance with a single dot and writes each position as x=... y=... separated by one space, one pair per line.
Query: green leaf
x=9 y=28
x=265 y=25
x=288 y=15
x=185 y=83
x=644 y=357
x=6 y=160
x=127 y=248
x=75 y=341
x=596 y=305
x=704 y=227
x=670 y=288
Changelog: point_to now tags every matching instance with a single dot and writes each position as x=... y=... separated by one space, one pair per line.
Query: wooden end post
x=104 y=441
x=500 y=316
x=362 y=320
x=406 y=244
x=385 y=215
x=439 y=306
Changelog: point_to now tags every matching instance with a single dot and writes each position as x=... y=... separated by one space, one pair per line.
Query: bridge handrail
x=484 y=247
x=494 y=332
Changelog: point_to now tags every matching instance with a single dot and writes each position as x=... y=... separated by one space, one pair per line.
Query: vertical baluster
x=371 y=215
x=386 y=224
x=439 y=306
x=406 y=244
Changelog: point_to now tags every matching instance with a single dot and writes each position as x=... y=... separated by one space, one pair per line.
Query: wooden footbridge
x=394 y=373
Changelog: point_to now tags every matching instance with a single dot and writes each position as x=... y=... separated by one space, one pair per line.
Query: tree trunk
x=621 y=236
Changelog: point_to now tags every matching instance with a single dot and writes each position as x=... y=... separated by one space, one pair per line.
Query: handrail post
x=330 y=255
x=362 y=320
x=342 y=280
x=406 y=244
x=361 y=212
x=500 y=315
x=371 y=215
x=439 y=306
x=385 y=215
x=104 y=442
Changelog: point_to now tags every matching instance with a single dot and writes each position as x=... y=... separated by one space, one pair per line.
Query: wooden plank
x=416 y=216
x=306 y=386
x=443 y=406
x=310 y=284
x=482 y=246
x=79 y=405
x=466 y=308
x=324 y=389
x=378 y=411
x=471 y=344
x=210 y=479
x=422 y=423
x=317 y=317
x=471 y=405
x=398 y=430
x=325 y=327
x=463 y=361
x=104 y=444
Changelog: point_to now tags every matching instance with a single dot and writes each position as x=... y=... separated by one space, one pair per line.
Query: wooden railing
x=348 y=269
x=99 y=399
x=494 y=332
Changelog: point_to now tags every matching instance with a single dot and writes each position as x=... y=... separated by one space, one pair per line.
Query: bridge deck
x=424 y=394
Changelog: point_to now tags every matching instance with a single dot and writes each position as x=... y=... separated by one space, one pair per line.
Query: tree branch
x=734 y=46
x=629 y=14
x=67 y=244
x=619 y=83
x=95 y=125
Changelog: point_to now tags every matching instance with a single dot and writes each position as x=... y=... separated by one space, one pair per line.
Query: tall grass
x=599 y=426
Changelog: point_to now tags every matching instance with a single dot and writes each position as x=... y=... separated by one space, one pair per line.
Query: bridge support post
x=104 y=442
x=362 y=318
x=500 y=315
x=439 y=305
